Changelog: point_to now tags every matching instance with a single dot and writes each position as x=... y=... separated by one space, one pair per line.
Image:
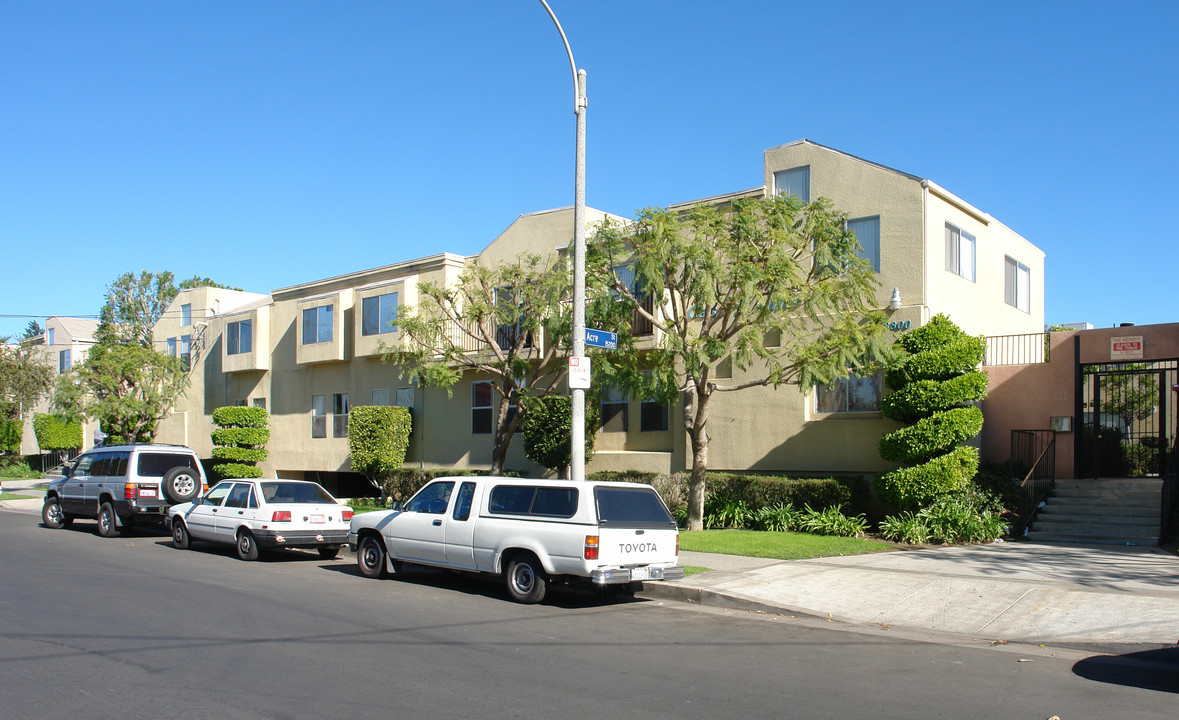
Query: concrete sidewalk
x=1024 y=592
x=1018 y=592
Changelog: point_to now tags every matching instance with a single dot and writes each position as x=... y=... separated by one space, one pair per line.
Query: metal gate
x=1128 y=418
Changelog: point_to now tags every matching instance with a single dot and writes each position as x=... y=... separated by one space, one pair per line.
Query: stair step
x=1063 y=515
x=1146 y=541
x=1087 y=528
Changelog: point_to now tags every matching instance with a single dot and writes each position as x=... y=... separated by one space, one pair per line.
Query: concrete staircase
x=1105 y=511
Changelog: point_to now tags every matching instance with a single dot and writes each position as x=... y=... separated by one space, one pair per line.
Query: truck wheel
x=526 y=580
x=370 y=557
x=180 y=484
x=247 y=549
x=53 y=516
x=107 y=524
x=180 y=537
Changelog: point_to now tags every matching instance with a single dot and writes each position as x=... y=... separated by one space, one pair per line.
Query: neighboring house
x=64 y=343
x=311 y=351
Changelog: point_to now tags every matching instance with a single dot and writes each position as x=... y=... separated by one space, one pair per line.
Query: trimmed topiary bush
x=239 y=439
x=54 y=432
x=934 y=387
x=378 y=438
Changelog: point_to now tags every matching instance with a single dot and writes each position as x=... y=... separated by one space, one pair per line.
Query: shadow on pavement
x=1148 y=669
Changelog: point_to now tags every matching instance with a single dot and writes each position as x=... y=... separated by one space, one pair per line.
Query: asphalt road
x=132 y=628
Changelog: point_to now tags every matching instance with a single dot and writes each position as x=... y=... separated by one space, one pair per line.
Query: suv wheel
x=107 y=522
x=53 y=516
x=180 y=484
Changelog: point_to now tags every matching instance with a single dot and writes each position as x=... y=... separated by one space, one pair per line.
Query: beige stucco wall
x=64 y=338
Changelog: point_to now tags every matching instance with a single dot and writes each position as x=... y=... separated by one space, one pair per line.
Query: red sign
x=1125 y=348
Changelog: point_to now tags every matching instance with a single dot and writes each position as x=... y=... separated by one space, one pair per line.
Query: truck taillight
x=347 y=515
x=281 y=516
x=591 y=547
x=130 y=492
x=677 y=544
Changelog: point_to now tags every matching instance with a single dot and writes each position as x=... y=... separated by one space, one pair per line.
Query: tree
x=133 y=306
x=26 y=377
x=546 y=430
x=720 y=281
x=511 y=323
x=378 y=436
x=934 y=387
x=32 y=330
x=240 y=441
x=1132 y=394
x=197 y=281
x=128 y=388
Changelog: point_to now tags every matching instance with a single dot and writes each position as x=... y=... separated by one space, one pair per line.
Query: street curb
x=712 y=598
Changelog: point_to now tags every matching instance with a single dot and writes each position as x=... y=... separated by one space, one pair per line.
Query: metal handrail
x=1040 y=477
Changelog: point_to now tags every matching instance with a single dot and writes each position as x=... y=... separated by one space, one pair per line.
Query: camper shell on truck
x=532 y=532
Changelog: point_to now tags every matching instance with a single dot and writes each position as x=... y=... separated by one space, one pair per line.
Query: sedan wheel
x=180 y=536
x=247 y=549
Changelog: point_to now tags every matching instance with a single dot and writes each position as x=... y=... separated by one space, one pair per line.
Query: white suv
x=123 y=485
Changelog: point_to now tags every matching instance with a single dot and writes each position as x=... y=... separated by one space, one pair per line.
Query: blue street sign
x=601 y=338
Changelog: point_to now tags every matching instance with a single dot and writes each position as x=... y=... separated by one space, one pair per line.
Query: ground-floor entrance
x=1127 y=418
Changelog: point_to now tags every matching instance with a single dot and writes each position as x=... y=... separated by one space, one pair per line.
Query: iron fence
x=1028 y=349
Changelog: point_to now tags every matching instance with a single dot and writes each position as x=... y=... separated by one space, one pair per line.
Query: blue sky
x=266 y=144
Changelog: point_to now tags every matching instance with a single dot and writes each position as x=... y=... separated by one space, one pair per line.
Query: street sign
x=601 y=338
x=579 y=372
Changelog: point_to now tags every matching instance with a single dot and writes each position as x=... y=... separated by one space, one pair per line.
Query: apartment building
x=311 y=351
x=64 y=343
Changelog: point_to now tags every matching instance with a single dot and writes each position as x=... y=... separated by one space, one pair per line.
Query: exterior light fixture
x=895 y=302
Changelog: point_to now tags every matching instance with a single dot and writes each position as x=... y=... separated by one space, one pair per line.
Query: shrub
x=777 y=518
x=54 y=432
x=546 y=431
x=931 y=435
x=832 y=521
x=922 y=398
x=378 y=438
x=725 y=513
x=17 y=467
x=10 y=434
x=905 y=528
x=963 y=518
x=239 y=440
x=913 y=487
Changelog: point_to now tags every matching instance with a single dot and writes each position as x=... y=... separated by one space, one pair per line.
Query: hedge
x=56 y=433
x=931 y=435
x=914 y=487
x=378 y=438
x=755 y=491
x=10 y=434
x=240 y=439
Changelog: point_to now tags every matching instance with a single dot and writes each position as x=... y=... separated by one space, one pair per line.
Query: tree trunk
x=698 y=432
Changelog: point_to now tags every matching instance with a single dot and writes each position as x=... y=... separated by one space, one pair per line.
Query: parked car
x=531 y=532
x=122 y=486
x=259 y=514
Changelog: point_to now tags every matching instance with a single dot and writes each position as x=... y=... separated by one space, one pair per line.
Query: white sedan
x=259 y=514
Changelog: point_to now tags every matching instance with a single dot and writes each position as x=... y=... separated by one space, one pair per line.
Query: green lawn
x=777 y=545
x=10 y=496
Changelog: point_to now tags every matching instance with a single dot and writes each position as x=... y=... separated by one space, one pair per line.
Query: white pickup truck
x=533 y=532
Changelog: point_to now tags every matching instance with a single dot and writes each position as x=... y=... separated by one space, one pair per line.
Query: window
x=631 y=508
x=432 y=499
x=404 y=397
x=509 y=307
x=481 y=420
x=462 y=506
x=239 y=337
x=340 y=415
x=241 y=497
x=63 y=361
x=381 y=397
x=867 y=231
x=379 y=314
x=319 y=416
x=851 y=394
x=653 y=415
x=615 y=410
x=317 y=325
x=1017 y=285
x=49 y=335
x=172 y=346
x=640 y=324
x=185 y=315
x=528 y=500
x=959 y=252
x=796 y=182
x=185 y=347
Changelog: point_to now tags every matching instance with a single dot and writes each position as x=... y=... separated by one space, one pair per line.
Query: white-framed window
x=867 y=231
x=319 y=411
x=1017 y=285
x=259 y=403
x=380 y=396
x=186 y=315
x=340 y=411
x=482 y=410
x=796 y=182
x=185 y=349
x=404 y=397
x=959 y=252
x=379 y=314
x=852 y=394
x=239 y=337
x=317 y=325
x=49 y=335
x=615 y=410
x=171 y=346
x=63 y=360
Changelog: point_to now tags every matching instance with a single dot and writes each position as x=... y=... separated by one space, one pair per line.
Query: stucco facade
x=300 y=378
x=64 y=343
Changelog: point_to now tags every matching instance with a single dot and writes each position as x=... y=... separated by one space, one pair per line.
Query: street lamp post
x=577 y=421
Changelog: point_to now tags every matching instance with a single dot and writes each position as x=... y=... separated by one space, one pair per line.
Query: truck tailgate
x=625 y=547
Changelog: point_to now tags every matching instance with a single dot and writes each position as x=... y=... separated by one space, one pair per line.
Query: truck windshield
x=639 y=507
